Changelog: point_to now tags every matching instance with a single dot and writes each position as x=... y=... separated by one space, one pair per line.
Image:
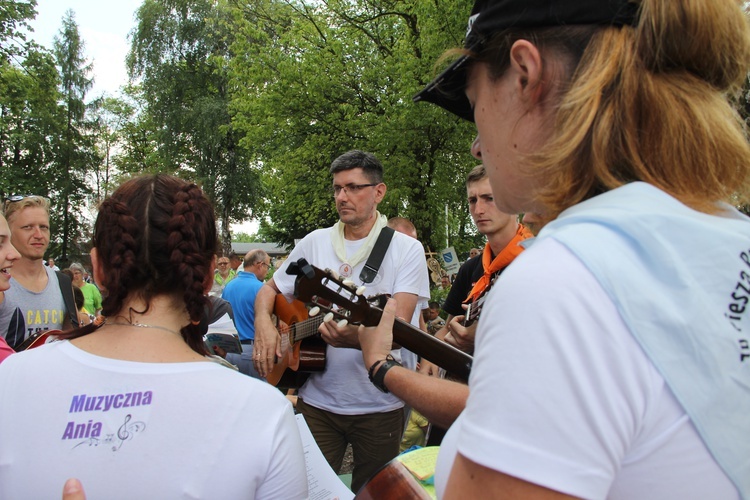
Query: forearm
x=267 y=346
x=441 y=401
x=264 y=305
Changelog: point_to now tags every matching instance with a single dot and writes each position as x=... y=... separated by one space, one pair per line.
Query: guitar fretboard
x=307 y=328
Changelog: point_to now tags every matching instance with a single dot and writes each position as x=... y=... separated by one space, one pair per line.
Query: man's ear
x=96 y=269
x=527 y=66
x=380 y=192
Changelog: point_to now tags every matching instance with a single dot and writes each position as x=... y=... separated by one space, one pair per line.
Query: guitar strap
x=66 y=289
x=376 y=256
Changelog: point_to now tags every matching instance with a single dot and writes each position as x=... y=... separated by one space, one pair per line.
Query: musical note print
x=127 y=431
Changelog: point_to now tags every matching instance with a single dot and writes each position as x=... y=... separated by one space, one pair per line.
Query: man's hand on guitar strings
x=376 y=342
x=267 y=347
x=459 y=336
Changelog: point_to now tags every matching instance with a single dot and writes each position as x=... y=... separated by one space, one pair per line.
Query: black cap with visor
x=489 y=17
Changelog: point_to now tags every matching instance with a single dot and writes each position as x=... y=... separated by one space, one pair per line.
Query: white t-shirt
x=568 y=399
x=344 y=387
x=143 y=430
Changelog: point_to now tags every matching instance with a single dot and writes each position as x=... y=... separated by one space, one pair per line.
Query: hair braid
x=119 y=251
x=190 y=260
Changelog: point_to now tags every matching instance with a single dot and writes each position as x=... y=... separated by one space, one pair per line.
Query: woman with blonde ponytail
x=612 y=357
x=134 y=408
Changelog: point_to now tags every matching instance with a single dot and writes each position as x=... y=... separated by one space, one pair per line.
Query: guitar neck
x=307 y=328
x=314 y=285
x=434 y=350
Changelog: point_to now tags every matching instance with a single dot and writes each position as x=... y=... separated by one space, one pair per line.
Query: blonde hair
x=650 y=103
x=11 y=207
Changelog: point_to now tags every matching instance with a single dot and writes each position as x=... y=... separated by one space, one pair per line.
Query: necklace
x=141 y=325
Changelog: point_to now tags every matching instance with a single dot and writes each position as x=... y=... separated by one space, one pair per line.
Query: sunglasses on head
x=17 y=197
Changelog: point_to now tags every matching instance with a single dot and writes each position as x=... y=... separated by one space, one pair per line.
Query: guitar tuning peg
x=349 y=283
x=361 y=290
x=342 y=323
x=328 y=317
x=314 y=311
x=334 y=274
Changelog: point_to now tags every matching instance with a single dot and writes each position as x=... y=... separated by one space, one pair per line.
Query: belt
x=247 y=341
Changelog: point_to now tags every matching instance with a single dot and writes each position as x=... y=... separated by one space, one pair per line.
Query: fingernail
x=72 y=486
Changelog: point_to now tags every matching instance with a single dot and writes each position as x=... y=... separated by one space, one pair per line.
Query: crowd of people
x=611 y=357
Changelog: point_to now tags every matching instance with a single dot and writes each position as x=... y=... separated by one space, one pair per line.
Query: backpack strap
x=66 y=288
x=376 y=256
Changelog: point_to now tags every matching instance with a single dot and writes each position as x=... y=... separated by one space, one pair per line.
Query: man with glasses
x=240 y=293
x=35 y=300
x=223 y=275
x=340 y=405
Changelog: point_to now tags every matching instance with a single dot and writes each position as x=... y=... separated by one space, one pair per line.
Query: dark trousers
x=375 y=438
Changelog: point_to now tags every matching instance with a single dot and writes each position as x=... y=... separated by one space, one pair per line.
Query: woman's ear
x=209 y=281
x=97 y=270
x=527 y=66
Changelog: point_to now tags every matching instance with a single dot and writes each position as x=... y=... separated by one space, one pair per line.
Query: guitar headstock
x=475 y=306
x=320 y=287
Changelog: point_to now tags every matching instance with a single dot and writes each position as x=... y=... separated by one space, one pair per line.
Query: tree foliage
x=315 y=79
x=76 y=153
x=14 y=24
x=180 y=54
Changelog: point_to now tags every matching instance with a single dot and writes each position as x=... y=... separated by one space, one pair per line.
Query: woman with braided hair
x=134 y=408
x=612 y=358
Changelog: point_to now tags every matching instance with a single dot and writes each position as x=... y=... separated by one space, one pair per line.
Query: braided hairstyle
x=156 y=235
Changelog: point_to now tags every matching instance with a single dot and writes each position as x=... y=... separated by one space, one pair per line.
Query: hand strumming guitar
x=459 y=336
x=267 y=348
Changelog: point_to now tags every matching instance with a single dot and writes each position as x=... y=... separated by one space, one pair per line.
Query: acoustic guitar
x=393 y=481
x=304 y=352
x=321 y=288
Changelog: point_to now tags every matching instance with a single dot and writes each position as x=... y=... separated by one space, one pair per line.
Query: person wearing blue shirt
x=240 y=293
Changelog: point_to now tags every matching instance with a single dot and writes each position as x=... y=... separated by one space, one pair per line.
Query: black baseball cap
x=489 y=17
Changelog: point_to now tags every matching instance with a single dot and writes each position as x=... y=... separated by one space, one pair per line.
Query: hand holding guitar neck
x=461 y=336
x=319 y=287
x=338 y=332
x=376 y=342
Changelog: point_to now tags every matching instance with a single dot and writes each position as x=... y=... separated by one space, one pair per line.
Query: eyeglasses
x=264 y=264
x=351 y=188
x=223 y=263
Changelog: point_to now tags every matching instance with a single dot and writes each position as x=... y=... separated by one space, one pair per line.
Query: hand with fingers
x=459 y=336
x=267 y=346
x=338 y=332
x=376 y=342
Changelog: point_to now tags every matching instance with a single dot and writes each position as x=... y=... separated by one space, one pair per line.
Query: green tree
x=14 y=23
x=312 y=80
x=139 y=136
x=76 y=154
x=30 y=122
x=180 y=54
x=110 y=115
